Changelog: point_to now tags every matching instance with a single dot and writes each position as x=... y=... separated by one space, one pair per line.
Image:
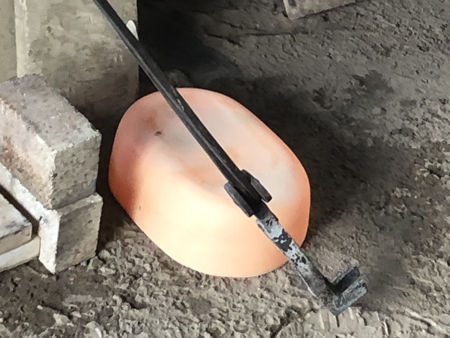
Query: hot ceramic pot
x=174 y=193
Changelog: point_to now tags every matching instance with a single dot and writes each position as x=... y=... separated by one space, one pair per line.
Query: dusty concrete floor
x=362 y=95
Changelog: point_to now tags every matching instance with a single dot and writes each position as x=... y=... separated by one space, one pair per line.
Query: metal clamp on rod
x=251 y=207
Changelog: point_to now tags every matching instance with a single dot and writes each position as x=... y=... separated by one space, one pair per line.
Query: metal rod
x=217 y=154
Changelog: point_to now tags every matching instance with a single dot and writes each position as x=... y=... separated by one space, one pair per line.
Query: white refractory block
x=299 y=8
x=48 y=145
x=68 y=235
x=20 y=255
x=78 y=52
x=77 y=235
x=7 y=40
x=15 y=229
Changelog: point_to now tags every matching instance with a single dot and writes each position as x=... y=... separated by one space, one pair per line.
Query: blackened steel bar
x=336 y=296
x=217 y=154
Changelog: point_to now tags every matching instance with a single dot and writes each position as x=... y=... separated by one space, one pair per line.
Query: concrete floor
x=362 y=95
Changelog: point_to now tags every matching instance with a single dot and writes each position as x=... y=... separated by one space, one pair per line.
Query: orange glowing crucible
x=174 y=193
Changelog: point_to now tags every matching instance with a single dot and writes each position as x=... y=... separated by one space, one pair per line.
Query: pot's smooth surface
x=174 y=193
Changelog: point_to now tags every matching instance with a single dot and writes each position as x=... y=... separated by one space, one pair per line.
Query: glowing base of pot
x=174 y=193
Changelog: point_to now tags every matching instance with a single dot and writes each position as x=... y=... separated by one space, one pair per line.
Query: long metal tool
x=244 y=189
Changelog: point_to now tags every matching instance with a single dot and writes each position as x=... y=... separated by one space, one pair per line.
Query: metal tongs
x=244 y=189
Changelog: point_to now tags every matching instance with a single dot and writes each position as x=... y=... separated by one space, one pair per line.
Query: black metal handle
x=217 y=154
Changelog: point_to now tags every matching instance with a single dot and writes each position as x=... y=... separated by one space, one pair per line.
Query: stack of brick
x=16 y=243
x=48 y=163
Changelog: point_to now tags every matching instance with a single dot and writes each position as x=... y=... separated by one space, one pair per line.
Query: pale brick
x=22 y=254
x=78 y=233
x=68 y=235
x=49 y=146
x=300 y=8
x=15 y=229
